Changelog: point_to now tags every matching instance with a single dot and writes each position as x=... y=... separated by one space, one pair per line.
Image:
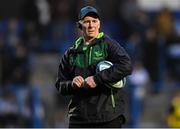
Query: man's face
x=90 y=27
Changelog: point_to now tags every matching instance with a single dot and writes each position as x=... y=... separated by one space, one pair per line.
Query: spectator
x=139 y=83
x=174 y=112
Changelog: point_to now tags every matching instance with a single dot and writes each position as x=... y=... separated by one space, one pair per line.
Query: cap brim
x=92 y=14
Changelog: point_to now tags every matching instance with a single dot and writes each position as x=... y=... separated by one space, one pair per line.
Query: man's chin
x=91 y=35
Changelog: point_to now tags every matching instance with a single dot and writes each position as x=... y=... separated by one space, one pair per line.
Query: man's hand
x=90 y=82
x=78 y=81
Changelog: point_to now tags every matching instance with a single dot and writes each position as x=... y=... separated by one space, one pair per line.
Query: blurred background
x=35 y=33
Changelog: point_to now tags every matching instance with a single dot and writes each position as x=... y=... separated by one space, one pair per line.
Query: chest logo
x=98 y=54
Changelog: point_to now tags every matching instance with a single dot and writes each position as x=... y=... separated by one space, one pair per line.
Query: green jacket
x=100 y=104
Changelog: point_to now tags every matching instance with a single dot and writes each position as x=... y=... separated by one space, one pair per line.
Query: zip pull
x=113 y=100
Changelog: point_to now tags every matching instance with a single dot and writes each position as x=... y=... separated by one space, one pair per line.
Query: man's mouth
x=90 y=31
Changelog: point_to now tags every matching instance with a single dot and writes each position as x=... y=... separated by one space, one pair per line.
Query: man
x=94 y=103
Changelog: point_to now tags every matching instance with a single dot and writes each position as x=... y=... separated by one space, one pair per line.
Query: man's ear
x=79 y=24
x=99 y=24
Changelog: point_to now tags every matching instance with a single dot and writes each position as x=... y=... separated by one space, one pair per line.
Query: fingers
x=78 y=81
x=90 y=82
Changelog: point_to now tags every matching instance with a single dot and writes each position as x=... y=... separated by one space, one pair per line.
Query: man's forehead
x=89 y=18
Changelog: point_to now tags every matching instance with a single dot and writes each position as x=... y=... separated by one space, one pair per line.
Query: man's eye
x=85 y=22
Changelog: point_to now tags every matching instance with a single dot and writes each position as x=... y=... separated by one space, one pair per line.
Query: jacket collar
x=80 y=40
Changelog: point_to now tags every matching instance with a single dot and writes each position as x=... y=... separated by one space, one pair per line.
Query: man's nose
x=90 y=24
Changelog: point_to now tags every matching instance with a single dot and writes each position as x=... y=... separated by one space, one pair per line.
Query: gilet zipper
x=90 y=56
